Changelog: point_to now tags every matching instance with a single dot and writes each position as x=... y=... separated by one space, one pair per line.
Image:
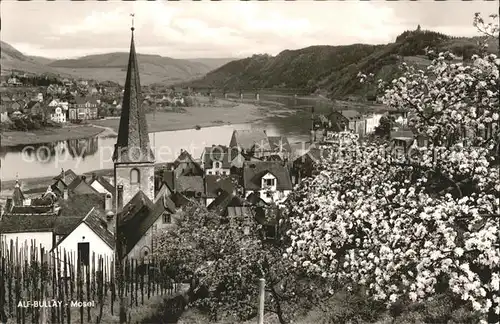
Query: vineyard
x=40 y=286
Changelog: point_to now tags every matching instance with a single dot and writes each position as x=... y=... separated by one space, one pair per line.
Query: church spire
x=132 y=144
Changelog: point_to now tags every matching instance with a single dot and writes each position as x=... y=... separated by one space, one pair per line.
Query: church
x=139 y=213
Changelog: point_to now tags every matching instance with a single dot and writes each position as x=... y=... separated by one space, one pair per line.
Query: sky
x=222 y=29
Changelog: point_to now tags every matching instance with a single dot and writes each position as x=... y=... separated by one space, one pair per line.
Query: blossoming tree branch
x=409 y=226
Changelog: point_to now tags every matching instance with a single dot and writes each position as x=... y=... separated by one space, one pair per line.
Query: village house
x=185 y=165
x=14 y=82
x=62 y=181
x=34 y=108
x=83 y=108
x=6 y=102
x=253 y=142
x=402 y=140
x=216 y=160
x=90 y=237
x=231 y=205
x=17 y=106
x=141 y=220
x=215 y=185
x=57 y=114
x=4 y=116
x=303 y=166
x=269 y=179
x=280 y=147
x=49 y=224
x=101 y=185
x=28 y=230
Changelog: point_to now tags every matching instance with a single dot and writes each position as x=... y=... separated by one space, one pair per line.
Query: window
x=217 y=172
x=134 y=176
x=269 y=182
x=84 y=253
x=217 y=165
x=167 y=218
x=209 y=172
x=269 y=194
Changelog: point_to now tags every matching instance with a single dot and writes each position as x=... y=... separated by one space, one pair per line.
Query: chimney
x=110 y=221
x=119 y=198
x=65 y=194
x=107 y=202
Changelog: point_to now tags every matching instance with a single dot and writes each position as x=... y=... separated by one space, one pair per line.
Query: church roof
x=132 y=144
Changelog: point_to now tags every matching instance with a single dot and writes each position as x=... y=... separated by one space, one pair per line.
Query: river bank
x=48 y=135
x=224 y=112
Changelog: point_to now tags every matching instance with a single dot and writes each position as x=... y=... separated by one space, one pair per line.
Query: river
x=89 y=154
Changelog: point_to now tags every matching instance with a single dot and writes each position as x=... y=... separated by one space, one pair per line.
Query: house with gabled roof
x=185 y=165
x=251 y=142
x=80 y=186
x=191 y=186
x=90 y=236
x=101 y=184
x=279 y=146
x=229 y=204
x=62 y=181
x=28 y=230
x=270 y=179
x=215 y=185
x=139 y=222
x=304 y=166
x=216 y=160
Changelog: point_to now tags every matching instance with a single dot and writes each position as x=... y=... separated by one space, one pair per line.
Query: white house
x=58 y=115
x=101 y=185
x=270 y=180
x=90 y=237
x=27 y=231
x=372 y=122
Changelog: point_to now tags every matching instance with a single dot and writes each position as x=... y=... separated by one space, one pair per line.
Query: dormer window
x=269 y=182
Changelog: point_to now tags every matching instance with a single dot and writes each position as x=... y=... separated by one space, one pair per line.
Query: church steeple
x=133 y=140
x=134 y=161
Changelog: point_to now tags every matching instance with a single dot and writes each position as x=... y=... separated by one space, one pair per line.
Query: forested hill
x=333 y=70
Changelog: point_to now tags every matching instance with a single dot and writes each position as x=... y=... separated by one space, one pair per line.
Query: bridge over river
x=250 y=93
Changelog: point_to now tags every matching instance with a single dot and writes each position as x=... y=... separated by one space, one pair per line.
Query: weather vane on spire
x=132 y=15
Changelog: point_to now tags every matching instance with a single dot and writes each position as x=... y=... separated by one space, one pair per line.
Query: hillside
x=333 y=69
x=13 y=60
x=111 y=66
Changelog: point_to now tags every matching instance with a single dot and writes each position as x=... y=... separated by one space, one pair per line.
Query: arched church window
x=134 y=176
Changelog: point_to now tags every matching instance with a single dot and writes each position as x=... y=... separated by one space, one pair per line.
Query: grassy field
x=13 y=138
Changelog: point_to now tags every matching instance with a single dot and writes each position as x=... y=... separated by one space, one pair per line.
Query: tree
x=408 y=227
x=224 y=262
x=385 y=126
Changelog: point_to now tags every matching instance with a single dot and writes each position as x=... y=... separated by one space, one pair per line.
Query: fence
x=52 y=288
